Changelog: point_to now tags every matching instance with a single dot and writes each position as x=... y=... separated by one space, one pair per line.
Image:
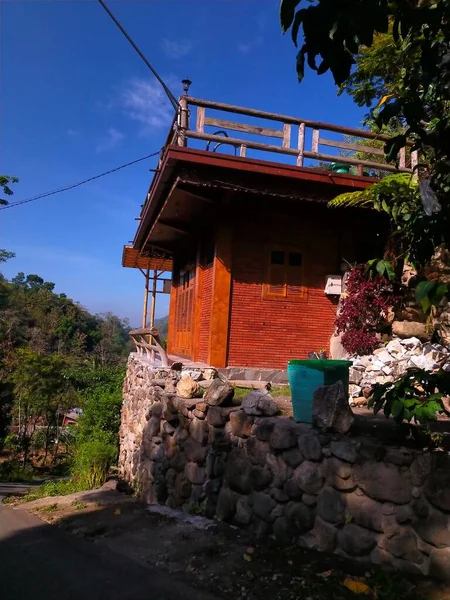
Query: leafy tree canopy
x=337 y=32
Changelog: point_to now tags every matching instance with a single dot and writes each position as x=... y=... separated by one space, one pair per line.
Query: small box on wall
x=333 y=285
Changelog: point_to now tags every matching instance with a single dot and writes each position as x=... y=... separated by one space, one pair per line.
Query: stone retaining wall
x=353 y=496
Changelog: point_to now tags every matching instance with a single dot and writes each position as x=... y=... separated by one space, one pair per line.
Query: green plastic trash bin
x=305 y=376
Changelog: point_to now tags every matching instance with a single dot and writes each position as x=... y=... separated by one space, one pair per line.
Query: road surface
x=42 y=562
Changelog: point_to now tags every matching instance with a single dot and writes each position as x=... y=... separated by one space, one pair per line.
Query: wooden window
x=284 y=275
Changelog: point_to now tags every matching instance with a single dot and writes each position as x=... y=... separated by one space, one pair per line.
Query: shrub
x=14 y=471
x=92 y=462
x=364 y=309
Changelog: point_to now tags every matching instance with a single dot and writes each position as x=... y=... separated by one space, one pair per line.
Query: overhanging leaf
x=287 y=12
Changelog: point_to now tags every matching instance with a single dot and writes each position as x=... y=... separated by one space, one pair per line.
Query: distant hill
x=163 y=325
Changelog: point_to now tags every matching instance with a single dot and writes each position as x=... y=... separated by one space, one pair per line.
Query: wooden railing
x=297 y=137
x=143 y=338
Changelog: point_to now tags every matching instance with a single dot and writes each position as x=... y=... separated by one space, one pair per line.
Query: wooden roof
x=133 y=259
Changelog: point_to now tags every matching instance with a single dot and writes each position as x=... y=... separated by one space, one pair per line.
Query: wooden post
x=145 y=310
x=197 y=311
x=152 y=312
x=286 y=136
x=301 y=144
x=315 y=141
x=183 y=124
x=221 y=295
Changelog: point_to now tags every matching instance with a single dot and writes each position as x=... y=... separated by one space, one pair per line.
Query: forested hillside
x=55 y=356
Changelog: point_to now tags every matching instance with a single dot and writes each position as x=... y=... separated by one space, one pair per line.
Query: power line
x=75 y=185
x=171 y=97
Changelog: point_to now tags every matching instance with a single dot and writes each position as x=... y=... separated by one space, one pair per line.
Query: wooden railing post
x=315 y=141
x=183 y=124
x=142 y=345
x=301 y=144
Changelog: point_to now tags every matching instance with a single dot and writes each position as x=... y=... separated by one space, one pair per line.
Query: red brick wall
x=268 y=333
x=205 y=316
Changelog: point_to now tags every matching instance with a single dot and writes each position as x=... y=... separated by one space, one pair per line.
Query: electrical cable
x=171 y=97
x=75 y=185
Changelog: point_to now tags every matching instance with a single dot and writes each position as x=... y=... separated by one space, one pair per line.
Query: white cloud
x=175 y=49
x=145 y=101
x=110 y=140
x=246 y=47
x=72 y=132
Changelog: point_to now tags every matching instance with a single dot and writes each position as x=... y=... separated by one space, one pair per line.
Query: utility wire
x=171 y=97
x=75 y=185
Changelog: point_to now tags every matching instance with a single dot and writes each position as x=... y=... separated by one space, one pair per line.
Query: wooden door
x=184 y=312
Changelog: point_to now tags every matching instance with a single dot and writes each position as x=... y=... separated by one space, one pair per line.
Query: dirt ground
x=226 y=561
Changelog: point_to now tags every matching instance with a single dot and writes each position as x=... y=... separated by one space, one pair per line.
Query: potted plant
x=322 y=354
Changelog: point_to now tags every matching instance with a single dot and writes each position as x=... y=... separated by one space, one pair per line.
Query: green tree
x=336 y=31
x=42 y=394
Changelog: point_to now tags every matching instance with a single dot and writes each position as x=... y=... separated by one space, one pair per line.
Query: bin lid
x=321 y=363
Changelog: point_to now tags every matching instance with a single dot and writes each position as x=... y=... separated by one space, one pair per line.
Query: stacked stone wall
x=355 y=496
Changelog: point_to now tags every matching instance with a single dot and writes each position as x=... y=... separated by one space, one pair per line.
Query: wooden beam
x=301 y=144
x=200 y=119
x=221 y=299
x=174 y=226
x=286 y=136
x=171 y=323
x=194 y=196
x=197 y=311
x=349 y=146
x=253 y=112
x=256 y=130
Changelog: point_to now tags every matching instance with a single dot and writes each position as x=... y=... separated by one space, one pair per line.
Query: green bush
x=14 y=471
x=92 y=462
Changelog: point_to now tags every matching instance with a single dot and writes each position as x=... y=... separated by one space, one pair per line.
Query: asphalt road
x=42 y=562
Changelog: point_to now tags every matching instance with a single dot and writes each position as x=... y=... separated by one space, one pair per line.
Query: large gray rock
x=404 y=545
x=194 y=473
x=199 y=430
x=226 y=504
x=437 y=488
x=365 y=512
x=409 y=329
x=331 y=410
x=260 y=477
x=237 y=472
x=243 y=514
x=215 y=416
x=384 y=482
x=218 y=392
x=284 y=435
x=344 y=450
x=356 y=541
x=301 y=517
x=322 y=537
x=421 y=468
x=193 y=450
x=310 y=447
x=259 y=403
x=257 y=450
x=293 y=457
x=435 y=530
x=339 y=474
x=262 y=505
x=331 y=506
x=241 y=423
x=188 y=388
x=309 y=477
x=440 y=564
x=278 y=468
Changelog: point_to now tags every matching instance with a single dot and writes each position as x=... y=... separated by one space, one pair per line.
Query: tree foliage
x=337 y=31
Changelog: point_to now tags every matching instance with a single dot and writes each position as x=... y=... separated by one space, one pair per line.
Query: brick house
x=251 y=243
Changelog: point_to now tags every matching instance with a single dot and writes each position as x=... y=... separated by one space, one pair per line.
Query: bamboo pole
x=145 y=310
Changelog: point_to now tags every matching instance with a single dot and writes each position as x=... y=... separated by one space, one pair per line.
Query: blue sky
x=76 y=100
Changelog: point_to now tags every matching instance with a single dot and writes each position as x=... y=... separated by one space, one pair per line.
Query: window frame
x=287 y=249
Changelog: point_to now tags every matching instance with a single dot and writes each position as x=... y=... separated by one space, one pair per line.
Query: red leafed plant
x=364 y=309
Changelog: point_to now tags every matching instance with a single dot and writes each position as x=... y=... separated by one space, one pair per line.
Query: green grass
x=13 y=471
x=277 y=390
x=53 y=488
x=47 y=508
x=79 y=505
